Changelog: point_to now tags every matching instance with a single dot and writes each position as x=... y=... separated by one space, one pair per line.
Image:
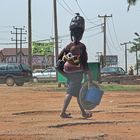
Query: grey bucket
x=94 y=95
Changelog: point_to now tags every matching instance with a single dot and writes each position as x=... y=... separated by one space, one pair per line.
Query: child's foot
x=66 y=115
x=87 y=115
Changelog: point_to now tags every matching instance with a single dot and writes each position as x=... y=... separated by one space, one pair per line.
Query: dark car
x=14 y=73
x=112 y=74
x=113 y=71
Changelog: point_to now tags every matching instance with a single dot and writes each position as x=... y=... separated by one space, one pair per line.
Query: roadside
x=32 y=112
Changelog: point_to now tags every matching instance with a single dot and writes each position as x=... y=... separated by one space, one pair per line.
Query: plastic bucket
x=94 y=95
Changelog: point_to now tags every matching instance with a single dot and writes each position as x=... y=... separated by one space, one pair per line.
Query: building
x=8 y=55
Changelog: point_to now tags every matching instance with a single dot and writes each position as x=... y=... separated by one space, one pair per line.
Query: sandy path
x=32 y=113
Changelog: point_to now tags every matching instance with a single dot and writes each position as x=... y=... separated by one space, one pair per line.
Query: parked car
x=14 y=73
x=112 y=74
x=48 y=74
x=37 y=70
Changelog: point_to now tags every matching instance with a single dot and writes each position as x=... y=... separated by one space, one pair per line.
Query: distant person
x=131 y=71
x=75 y=57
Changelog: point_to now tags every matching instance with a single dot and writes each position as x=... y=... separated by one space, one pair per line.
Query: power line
x=6 y=26
x=104 y=17
x=81 y=10
x=115 y=33
x=69 y=7
x=113 y=44
x=41 y=40
x=87 y=29
x=60 y=37
x=65 y=8
x=109 y=50
x=8 y=43
x=3 y=31
x=89 y=36
x=4 y=38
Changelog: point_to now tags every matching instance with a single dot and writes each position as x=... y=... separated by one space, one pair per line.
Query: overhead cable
x=83 y=12
x=115 y=33
x=113 y=44
x=65 y=8
x=69 y=7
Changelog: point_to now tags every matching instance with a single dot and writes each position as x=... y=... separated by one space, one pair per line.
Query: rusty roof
x=12 y=51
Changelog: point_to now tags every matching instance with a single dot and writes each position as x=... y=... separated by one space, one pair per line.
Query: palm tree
x=131 y=2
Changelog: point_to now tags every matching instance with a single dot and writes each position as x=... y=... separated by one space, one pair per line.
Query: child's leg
x=85 y=114
x=81 y=108
x=65 y=105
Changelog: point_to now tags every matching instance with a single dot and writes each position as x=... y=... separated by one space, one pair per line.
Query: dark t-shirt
x=78 y=49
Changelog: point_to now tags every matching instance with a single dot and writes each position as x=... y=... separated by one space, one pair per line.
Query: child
x=75 y=56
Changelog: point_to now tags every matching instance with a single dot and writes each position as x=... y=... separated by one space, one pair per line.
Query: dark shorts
x=74 y=83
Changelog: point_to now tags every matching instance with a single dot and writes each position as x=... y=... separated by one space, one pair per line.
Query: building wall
x=38 y=61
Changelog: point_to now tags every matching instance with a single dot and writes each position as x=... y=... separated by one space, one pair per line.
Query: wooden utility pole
x=20 y=40
x=16 y=33
x=137 y=65
x=29 y=35
x=125 y=45
x=55 y=30
x=21 y=33
x=104 y=30
x=137 y=60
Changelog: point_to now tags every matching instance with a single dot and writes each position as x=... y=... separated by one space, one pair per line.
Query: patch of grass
x=53 y=86
x=117 y=87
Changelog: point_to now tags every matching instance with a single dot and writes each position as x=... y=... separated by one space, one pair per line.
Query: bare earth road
x=32 y=112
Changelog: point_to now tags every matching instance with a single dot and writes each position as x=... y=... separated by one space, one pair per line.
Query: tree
x=136 y=45
x=42 y=48
x=136 y=48
x=131 y=2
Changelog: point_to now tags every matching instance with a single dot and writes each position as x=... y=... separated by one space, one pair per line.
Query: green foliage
x=136 y=45
x=134 y=48
x=42 y=48
x=131 y=2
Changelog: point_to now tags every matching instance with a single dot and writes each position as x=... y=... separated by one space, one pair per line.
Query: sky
x=120 y=27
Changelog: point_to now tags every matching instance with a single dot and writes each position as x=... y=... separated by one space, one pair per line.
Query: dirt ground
x=32 y=112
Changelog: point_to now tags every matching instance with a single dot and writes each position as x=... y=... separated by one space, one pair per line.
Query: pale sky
x=120 y=27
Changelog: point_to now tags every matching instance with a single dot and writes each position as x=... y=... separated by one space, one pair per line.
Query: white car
x=48 y=74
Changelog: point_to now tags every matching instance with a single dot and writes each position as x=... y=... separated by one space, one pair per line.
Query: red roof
x=12 y=51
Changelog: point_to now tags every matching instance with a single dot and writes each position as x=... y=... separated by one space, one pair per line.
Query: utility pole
x=137 y=60
x=29 y=35
x=19 y=31
x=125 y=45
x=16 y=33
x=137 y=65
x=55 y=30
x=104 y=30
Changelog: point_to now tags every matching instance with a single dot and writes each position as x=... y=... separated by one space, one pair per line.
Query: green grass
x=53 y=86
x=118 y=87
